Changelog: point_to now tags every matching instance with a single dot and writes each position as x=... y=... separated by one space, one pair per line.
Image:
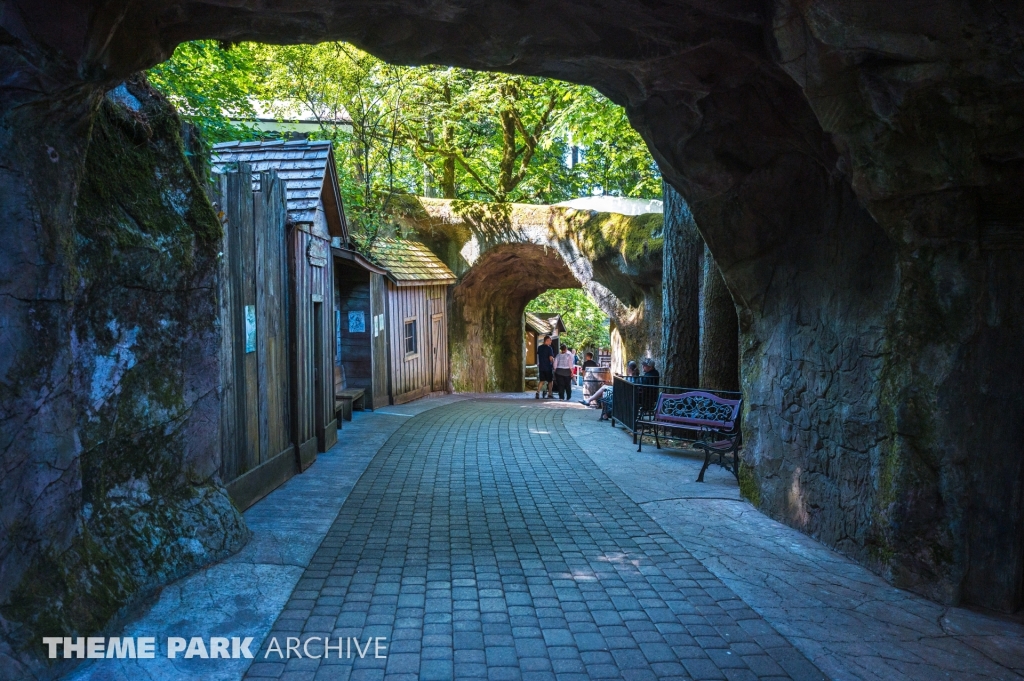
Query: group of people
x=555 y=375
x=555 y=370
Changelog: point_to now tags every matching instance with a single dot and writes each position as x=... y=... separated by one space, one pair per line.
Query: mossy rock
x=143 y=270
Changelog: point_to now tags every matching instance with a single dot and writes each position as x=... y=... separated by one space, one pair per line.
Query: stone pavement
x=484 y=544
x=244 y=594
x=521 y=539
x=847 y=620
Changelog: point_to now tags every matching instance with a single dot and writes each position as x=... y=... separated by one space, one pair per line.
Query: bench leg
x=640 y=439
x=707 y=462
x=736 y=463
x=657 y=442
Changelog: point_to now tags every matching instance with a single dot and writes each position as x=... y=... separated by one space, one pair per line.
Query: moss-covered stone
x=749 y=488
x=506 y=254
x=144 y=262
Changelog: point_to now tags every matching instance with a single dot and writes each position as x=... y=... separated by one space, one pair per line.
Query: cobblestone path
x=484 y=544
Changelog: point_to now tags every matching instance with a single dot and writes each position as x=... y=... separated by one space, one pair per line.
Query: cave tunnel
x=486 y=328
x=854 y=169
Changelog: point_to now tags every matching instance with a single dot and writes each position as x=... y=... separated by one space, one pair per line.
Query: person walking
x=545 y=369
x=563 y=373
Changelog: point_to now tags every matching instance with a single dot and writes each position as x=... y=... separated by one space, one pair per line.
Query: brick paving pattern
x=484 y=544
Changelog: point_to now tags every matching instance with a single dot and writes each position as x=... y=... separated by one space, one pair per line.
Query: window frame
x=415 y=337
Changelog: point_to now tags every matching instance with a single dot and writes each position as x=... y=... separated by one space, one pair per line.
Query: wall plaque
x=317 y=253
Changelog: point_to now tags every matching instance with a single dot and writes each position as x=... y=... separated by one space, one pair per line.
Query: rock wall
x=854 y=169
x=683 y=255
x=119 y=496
x=508 y=254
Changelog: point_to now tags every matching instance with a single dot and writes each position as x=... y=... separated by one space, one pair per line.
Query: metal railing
x=635 y=400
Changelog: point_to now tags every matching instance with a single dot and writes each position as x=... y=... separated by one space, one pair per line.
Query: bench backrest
x=698 y=408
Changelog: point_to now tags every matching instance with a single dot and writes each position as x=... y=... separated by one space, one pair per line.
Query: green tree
x=425 y=130
x=359 y=103
x=212 y=86
x=586 y=326
x=613 y=158
x=491 y=126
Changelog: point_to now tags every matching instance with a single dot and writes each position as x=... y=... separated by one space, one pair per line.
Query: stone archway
x=486 y=323
x=507 y=254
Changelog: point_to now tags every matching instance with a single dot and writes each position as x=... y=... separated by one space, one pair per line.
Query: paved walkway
x=508 y=539
x=845 y=619
x=484 y=544
x=244 y=594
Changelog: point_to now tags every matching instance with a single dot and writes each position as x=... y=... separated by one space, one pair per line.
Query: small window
x=410 y=337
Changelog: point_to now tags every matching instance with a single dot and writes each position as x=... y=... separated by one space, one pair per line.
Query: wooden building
x=281 y=207
x=416 y=318
x=536 y=326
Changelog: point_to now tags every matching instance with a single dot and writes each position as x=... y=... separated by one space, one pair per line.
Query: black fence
x=635 y=400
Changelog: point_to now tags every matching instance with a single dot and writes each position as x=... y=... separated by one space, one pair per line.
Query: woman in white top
x=563 y=373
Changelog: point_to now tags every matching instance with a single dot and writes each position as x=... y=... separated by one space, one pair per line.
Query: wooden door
x=437 y=363
x=381 y=396
x=319 y=376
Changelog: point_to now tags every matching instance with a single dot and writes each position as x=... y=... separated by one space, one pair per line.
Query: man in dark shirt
x=650 y=375
x=588 y=361
x=545 y=369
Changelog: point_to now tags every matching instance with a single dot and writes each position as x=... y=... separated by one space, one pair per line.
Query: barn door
x=437 y=373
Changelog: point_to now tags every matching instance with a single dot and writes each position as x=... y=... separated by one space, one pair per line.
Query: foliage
x=614 y=158
x=586 y=326
x=427 y=130
x=211 y=86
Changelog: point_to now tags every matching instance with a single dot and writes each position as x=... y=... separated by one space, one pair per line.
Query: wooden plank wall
x=255 y=411
x=314 y=426
x=381 y=349
x=272 y=319
x=231 y=360
x=413 y=377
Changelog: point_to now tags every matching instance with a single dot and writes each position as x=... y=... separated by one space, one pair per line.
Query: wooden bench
x=715 y=420
x=347 y=400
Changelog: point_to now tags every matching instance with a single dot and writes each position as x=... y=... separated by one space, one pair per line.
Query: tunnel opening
x=487 y=331
x=846 y=200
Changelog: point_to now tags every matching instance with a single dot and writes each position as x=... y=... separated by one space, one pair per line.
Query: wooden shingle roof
x=410 y=263
x=545 y=323
x=307 y=169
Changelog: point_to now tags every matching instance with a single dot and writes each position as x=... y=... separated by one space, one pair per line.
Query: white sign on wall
x=250 y=328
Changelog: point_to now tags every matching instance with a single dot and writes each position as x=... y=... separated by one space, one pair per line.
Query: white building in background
x=615 y=204
x=295 y=120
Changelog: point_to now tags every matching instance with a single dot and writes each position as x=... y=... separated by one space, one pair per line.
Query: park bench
x=715 y=420
x=347 y=400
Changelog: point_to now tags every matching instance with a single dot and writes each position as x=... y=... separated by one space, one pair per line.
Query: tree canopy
x=431 y=130
x=586 y=326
